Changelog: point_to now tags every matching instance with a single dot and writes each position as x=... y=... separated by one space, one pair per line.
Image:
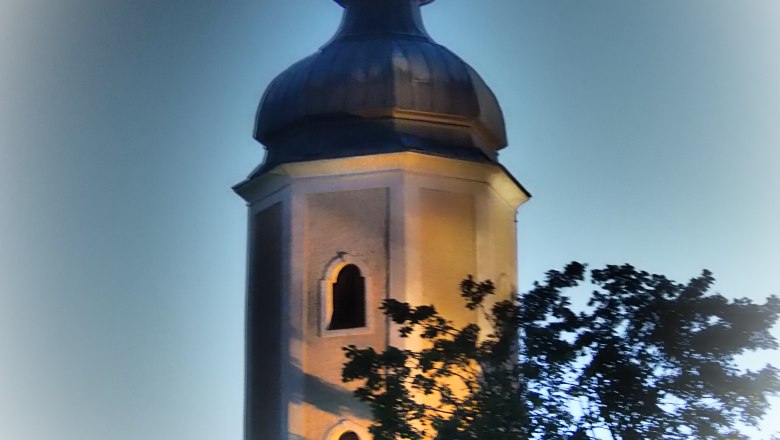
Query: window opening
x=349 y=435
x=349 y=303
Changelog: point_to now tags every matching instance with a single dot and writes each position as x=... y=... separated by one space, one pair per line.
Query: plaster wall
x=351 y=226
x=416 y=225
x=264 y=326
x=448 y=249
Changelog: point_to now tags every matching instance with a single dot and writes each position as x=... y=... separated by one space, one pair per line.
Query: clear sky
x=647 y=131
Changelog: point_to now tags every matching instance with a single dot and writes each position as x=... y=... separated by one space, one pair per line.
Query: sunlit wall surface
x=647 y=132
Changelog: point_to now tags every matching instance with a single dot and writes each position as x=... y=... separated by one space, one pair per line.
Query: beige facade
x=415 y=225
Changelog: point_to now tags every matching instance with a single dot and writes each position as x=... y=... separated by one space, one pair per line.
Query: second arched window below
x=349 y=435
x=348 y=299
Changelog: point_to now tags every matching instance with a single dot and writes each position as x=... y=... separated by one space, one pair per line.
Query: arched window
x=349 y=302
x=347 y=430
x=349 y=435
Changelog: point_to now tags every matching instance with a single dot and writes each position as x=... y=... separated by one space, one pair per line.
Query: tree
x=648 y=358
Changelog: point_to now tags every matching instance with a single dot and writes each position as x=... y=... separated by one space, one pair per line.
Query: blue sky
x=646 y=130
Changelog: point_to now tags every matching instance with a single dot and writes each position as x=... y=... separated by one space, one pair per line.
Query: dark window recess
x=349 y=435
x=349 y=301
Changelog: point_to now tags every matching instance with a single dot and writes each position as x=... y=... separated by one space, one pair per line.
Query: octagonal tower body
x=381 y=180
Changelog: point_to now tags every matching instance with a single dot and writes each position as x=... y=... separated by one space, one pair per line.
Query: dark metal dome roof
x=380 y=85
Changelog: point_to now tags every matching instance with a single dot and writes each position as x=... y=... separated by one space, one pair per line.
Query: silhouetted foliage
x=648 y=359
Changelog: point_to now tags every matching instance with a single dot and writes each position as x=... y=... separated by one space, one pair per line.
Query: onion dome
x=380 y=85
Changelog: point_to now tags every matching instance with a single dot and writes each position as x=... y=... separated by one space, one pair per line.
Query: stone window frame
x=344 y=426
x=329 y=276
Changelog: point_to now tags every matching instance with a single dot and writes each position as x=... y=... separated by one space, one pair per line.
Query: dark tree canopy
x=649 y=358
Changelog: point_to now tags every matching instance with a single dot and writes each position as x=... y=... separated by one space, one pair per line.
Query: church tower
x=381 y=180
